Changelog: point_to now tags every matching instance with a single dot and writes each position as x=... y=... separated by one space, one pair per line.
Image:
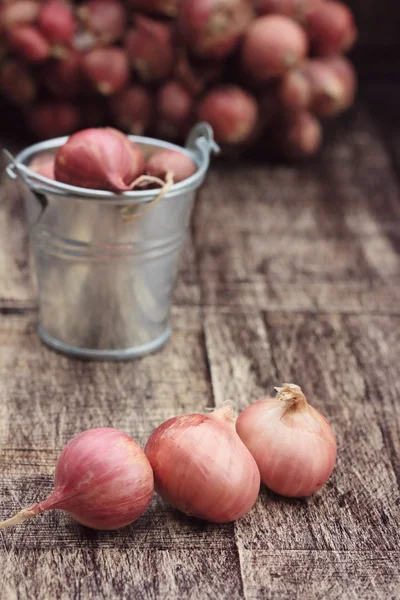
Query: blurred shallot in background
x=263 y=73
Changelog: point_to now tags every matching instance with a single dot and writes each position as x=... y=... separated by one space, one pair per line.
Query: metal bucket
x=105 y=283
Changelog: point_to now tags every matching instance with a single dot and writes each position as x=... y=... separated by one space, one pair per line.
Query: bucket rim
x=199 y=146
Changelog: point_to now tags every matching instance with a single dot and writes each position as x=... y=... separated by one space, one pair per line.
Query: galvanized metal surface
x=105 y=283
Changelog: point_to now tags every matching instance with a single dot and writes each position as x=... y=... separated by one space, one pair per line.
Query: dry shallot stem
x=224 y=413
x=291 y=394
x=20 y=517
x=128 y=213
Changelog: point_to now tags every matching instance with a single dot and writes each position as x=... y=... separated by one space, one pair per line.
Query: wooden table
x=289 y=274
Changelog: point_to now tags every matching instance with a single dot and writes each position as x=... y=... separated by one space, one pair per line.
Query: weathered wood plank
x=105 y=574
x=274 y=247
x=49 y=398
x=301 y=575
x=45 y=400
x=349 y=297
x=359 y=508
x=321 y=237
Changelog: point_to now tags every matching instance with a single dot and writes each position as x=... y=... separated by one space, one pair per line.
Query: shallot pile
x=106 y=159
x=206 y=465
x=261 y=72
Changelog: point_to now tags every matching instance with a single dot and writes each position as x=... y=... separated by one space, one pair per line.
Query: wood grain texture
x=289 y=273
x=320 y=575
x=323 y=237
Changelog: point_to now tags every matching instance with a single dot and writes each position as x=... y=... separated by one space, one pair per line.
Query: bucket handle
x=201 y=139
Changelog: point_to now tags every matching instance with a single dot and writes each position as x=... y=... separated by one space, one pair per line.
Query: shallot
x=29 y=43
x=63 y=77
x=272 y=45
x=331 y=28
x=103 y=480
x=100 y=159
x=105 y=19
x=299 y=135
x=346 y=74
x=202 y=468
x=231 y=112
x=174 y=108
x=133 y=109
x=326 y=87
x=57 y=21
x=107 y=69
x=43 y=164
x=294 y=91
x=293 y=444
x=213 y=28
x=162 y=162
x=149 y=48
x=23 y=12
x=196 y=76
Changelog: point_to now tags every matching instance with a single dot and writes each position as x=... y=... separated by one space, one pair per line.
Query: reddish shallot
x=105 y=19
x=43 y=164
x=107 y=69
x=294 y=91
x=64 y=78
x=103 y=480
x=100 y=159
x=174 y=108
x=23 y=12
x=331 y=28
x=163 y=161
x=29 y=43
x=202 y=468
x=293 y=444
x=150 y=49
x=272 y=45
x=57 y=21
x=232 y=113
x=133 y=109
x=345 y=72
x=327 y=90
x=213 y=28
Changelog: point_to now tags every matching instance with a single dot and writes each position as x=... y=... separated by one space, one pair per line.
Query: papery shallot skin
x=100 y=159
x=294 y=447
x=103 y=490
x=43 y=164
x=232 y=113
x=202 y=468
x=213 y=28
x=149 y=46
x=103 y=480
x=163 y=161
